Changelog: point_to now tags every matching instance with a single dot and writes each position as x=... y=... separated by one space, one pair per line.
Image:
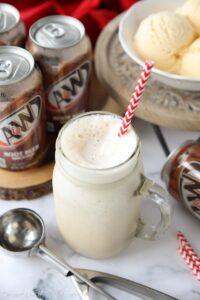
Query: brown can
x=12 y=28
x=181 y=174
x=22 y=110
x=63 y=52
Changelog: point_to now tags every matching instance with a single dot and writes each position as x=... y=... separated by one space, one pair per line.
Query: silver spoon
x=22 y=233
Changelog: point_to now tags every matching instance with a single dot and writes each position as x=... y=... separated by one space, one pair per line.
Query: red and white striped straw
x=185 y=244
x=189 y=255
x=135 y=98
x=191 y=263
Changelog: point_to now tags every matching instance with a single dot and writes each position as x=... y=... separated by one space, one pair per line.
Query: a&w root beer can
x=22 y=110
x=63 y=52
x=181 y=174
x=12 y=28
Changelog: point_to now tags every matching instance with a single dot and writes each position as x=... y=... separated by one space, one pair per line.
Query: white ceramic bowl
x=128 y=27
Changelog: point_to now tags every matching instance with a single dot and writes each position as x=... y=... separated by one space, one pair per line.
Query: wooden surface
x=27 y=184
x=161 y=105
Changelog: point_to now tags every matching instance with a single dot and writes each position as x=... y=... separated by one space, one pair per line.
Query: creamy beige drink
x=96 y=182
x=96 y=210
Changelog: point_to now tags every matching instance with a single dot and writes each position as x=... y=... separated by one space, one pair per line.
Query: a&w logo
x=17 y=126
x=15 y=130
x=69 y=88
x=190 y=186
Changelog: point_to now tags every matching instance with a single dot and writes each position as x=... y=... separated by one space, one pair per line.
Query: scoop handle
x=66 y=269
x=129 y=286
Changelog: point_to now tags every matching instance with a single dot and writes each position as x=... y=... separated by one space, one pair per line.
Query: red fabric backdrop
x=94 y=14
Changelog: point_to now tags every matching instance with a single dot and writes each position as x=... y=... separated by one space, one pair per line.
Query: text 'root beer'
x=63 y=51
x=22 y=110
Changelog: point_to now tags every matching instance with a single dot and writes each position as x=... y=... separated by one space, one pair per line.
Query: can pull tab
x=54 y=30
x=6 y=67
x=3 y=21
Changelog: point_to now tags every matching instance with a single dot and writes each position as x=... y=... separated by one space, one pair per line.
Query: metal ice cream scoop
x=22 y=233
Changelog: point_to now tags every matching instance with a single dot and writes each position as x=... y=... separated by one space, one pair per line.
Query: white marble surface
x=156 y=264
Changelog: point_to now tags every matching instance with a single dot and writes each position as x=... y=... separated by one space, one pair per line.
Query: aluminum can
x=22 y=110
x=181 y=174
x=12 y=28
x=63 y=52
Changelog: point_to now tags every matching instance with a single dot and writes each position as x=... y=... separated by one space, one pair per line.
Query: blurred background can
x=22 y=110
x=181 y=174
x=63 y=52
x=12 y=28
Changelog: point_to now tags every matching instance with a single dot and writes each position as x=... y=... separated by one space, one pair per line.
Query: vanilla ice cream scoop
x=190 y=64
x=162 y=37
x=191 y=9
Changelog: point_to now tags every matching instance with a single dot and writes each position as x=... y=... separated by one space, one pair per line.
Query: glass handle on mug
x=158 y=195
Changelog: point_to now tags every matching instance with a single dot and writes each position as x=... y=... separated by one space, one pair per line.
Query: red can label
x=22 y=135
x=189 y=186
x=16 y=127
x=68 y=89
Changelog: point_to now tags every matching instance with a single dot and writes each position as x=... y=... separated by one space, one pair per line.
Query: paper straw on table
x=191 y=264
x=135 y=98
x=185 y=244
x=189 y=255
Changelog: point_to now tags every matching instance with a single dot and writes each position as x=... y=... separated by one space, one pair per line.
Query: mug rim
x=97 y=170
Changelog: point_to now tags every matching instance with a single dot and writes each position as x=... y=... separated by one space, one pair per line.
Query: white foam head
x=91 y=141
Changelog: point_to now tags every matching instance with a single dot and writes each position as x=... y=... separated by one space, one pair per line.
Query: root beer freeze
x=63 y=52
x=22 y=110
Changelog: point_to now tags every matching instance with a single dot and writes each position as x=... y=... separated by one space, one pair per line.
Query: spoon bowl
x=21 y=230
